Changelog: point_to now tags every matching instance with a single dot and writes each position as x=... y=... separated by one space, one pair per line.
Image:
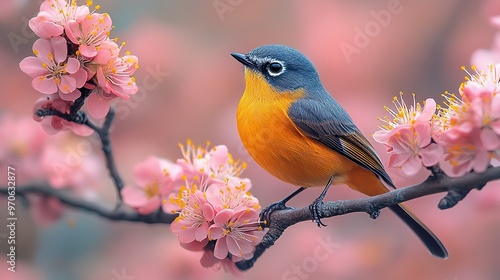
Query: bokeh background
x=190 y=87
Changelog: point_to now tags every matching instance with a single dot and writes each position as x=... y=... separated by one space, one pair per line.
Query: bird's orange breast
x=277 y=145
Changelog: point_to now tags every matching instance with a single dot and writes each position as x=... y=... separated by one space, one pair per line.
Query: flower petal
x=208 y=211
x=382 y=136
x=201 y=232
x=223 y=216
x=221 y=250
x=88 y=51
x=133 y=197
x=411 y=166
x=431 y=154
x=44 y=85
x=42 y=48
x=32 y=66
x=428 y=110
x=147 y=171
x=187 y=234
x=215 y=232
x=72 y=65
x=43 y=27
x=481 y=161
x=489 y=139
x=152 y=205
x=98 y=106
x=72 y=96
x=67 y=84
x=73 y=31
x=60 y=48
x=234 y=247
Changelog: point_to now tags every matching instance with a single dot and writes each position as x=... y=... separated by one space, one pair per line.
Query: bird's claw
x=316 y=213
x=265 y=214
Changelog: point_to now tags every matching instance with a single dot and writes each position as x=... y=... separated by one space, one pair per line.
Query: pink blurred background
x=190 y=87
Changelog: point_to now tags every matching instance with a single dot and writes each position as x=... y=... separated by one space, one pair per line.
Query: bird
x=295 y=130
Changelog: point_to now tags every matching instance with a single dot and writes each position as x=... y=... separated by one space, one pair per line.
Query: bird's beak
x=243 y=59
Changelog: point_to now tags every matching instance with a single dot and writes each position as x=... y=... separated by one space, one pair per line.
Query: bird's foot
x=316 y=212
x=265 y=214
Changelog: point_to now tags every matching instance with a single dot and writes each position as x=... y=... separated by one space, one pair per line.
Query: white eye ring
x=275 y=68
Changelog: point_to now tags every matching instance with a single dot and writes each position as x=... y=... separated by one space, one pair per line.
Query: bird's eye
x=275 y=68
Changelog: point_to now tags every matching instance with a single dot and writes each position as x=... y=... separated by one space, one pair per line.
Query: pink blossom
x=481 y=82
x=115 y=76
x=475 y=111
x=404 y=115
x=107 y=50
x=89 y=33
x=52 y=70
x=54 y=124
x=213 y=165
x=224 y=168
x=470 y=130
x=411 y=148
x=203 y=167
x=408 y=136
x=194 y=220
x=234 y=232
x=54 y=16
x=466 y=153
x=481 y=94
x=216 y=208
x=487 y=113
x=154 y=178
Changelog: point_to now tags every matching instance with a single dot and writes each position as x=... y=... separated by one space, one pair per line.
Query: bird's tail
x=367 y=182
x=433 y=244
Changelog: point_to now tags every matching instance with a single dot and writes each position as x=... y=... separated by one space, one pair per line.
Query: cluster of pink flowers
x=215 y=207
x=408 y=136
x=75 y=51
x=221 y=216
x=464 y=133
x=469 y=127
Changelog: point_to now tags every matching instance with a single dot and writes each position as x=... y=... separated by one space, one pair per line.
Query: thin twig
x=103 y=133
x=115 y=214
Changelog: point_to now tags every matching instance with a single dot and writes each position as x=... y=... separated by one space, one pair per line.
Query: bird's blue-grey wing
x=327 y=122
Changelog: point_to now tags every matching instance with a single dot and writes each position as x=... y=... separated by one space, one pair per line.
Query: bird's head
x=283 y=68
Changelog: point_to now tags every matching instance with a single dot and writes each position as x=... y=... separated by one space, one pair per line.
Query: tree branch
x=456 y=187
x=116 y=213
